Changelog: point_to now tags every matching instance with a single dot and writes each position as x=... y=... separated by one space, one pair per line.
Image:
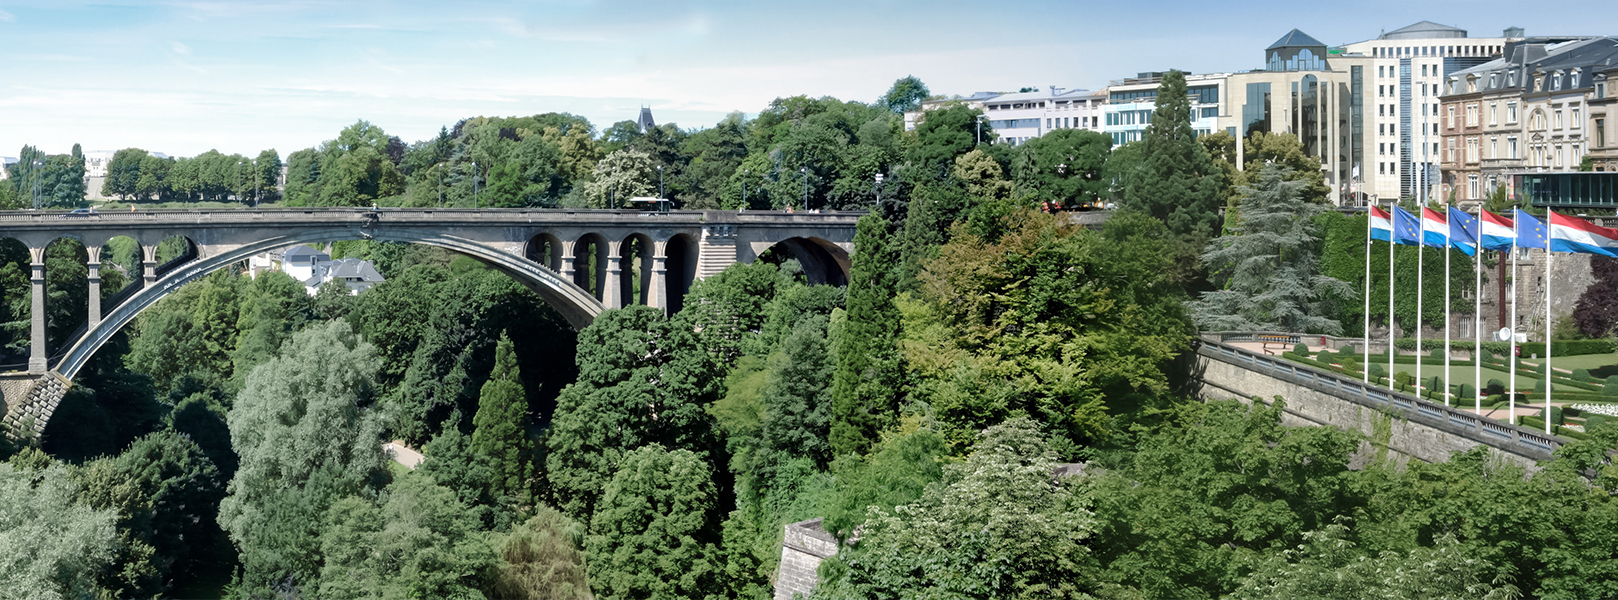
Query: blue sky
x=184 y=77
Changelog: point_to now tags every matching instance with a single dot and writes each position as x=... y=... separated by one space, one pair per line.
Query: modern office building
x=1408 y=66
x=1315 y=93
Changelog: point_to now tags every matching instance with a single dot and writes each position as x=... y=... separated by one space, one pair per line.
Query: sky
x=185 y=77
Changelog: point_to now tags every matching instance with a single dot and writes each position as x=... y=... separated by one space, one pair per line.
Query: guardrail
x=1329 y=341
x=62 y=217
x=1504 y=436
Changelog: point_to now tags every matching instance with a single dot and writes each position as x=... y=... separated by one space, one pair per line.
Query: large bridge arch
x=575 y=304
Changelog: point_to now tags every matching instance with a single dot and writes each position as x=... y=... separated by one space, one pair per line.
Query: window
x=1601 y=89
x=1511 y=147
x=1558 y=156
x=1494 y=80
x=1558 y=118
x=1471 y=150
x=1472 y=187
x=1449 y=152
x=1494 y=112
x=1573 y=80
x=1449 y=121
x=1494 y=148
x=1511 y=112
x=1556 y=81
x=1574 y=122
x=1511 y=79
x=1471 y=115
x=1601 y=133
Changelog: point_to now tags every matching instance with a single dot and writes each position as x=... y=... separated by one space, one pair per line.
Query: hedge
x=1538 y=424
x=1558 y=347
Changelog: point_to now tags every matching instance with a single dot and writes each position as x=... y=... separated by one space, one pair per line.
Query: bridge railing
x=1328 y=341
x=1504 y=436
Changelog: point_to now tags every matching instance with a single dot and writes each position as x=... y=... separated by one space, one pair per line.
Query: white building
x=315 y=268
x=5 y=166
x=1130 y=103
x=1022 y=116
x=1410 y=67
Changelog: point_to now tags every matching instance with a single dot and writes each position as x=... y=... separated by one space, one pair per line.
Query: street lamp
x=744 y=190
x=474 y=184
x=979 y=122
x=659 y=182
x=805 y=172
x=239 y=202
x=878 y=187
x=257 y=175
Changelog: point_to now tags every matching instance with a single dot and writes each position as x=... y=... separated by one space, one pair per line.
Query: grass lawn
x=1460 y=375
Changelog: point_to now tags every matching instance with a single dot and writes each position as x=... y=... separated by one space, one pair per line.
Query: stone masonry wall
x=1306 y=406
x=27 y=418
x=806 y=544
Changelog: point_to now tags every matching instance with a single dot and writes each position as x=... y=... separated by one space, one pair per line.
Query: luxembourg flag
x=1571 y=234
x=1434 y=228
x=1463 y=231
x=1497 y=232
x=1381 y=225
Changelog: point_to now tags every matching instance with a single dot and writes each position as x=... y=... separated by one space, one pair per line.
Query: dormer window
x=1471 y=84
x=1556 y=81
x=1573 y=81
x=1601 y=88
x=1539 y=83
x=1494 y=80
x=1511 y=79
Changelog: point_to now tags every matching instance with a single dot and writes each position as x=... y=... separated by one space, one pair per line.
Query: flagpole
x=1444 y=389
x=1366 y=370
x=1511 y=359
x=1421 y=255
x=1393 y=236
x=1477 y=319
x=1550 y=240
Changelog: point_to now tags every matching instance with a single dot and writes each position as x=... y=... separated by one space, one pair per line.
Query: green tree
x=420 y=543
x=1065 y=166
x=797 y=403
x=868 y=384
x=1175 y=180
x=542 y=559
x=642 y=380
x=501 y=427
x=51 y=546
x=1268 y=266
x=1029 y=542
x=305 y=439
x=1329 y=567
x=620 y=176
x=944 y=134
x=123 y=173
x=905 y=95
x=653 y=533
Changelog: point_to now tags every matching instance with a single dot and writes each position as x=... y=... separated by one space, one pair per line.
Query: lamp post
x=805 y=201
x=474 y=185
x=878 y=187
x=979 y=123
x=239 y=202
x=659 y=182
x=257 y=175
x=744 y=190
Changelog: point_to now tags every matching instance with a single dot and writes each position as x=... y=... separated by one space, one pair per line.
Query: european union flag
x=1531 y=232
x=1463 y=231
x=1406 y=228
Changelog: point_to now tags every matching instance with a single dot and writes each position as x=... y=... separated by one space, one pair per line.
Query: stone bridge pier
x=580 y=261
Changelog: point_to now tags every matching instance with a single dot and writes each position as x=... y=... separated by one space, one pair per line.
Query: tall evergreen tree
x=1269 y=265
x=502 y=411
x=796 y=406
x=1175 y=180
x=868 y=383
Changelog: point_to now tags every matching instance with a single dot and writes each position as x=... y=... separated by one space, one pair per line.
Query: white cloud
x=7 y=17
x=180 y=48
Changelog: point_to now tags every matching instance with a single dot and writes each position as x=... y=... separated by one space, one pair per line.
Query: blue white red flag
x=1498 y=232
x=1463 y=231
x=1572 y=234
x=1434 y=228
x=1381 y=225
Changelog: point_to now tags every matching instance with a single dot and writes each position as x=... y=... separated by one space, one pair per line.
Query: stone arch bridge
x=580 y=261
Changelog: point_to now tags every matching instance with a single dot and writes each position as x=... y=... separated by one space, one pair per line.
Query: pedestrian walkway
x=398 y=452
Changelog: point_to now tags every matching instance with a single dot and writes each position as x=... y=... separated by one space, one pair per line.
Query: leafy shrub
x=1582 y=375
x=1347 y=350
x=1378 y=371
x=1611 y=388
x=1465 y=390
x=1592 y=421
x=1301 y=350
x=1495 y=387
x=1349 y=364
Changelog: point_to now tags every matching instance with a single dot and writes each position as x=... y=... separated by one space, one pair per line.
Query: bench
x=1281 y=342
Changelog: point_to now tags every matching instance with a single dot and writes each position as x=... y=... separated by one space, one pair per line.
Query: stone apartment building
x=1533 y=109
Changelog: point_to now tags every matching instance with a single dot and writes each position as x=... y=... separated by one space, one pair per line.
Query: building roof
x=354 y=268
x=302 y=250
x=1424 y=30
x=1294 y=39
x=645 y=121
